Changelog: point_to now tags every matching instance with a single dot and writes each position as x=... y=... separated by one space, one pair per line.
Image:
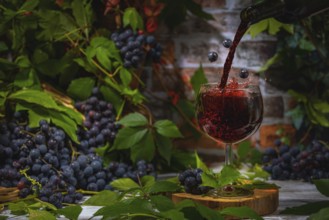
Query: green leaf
x=306 y=209
x=244 y=149
x=306 y=45
x=131 y=17
x=323 y=214
x=164 y=146
x=66 y=123
x=208 y=213
x=241 y=212
x=228 y=175
x=199 y=163
x=55 y=25
x=102 y=55
x=173 y=215
x=162 y=203
x=26 y=79
x=19 y=208
x=133 y=120
x=40 y=215
x=198 y=79
x=275 y=59
x=147 y=181
x=124 y=184
x=323 y=186
x=112 y=97
x=167 y=128
x=70 y=212
x=81 y=88
x=321 y=106
x=209 y=179
x=143 y=150
x=128 y=137
x=274 y=26
x=83 y=14
x=34 y=96
x=125 y=76
x=29 y=5
x=103 y=198
x=258 y=28
x=164 y=186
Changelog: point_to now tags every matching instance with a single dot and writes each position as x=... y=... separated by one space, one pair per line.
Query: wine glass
x=229 y=115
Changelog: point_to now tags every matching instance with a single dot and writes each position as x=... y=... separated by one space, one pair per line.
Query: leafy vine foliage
x=302 y=61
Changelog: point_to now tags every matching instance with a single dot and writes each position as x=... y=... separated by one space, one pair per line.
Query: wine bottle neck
x=286 y=11
x=262 y=10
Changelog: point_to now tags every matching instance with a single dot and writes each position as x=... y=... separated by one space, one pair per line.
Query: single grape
x=212 y=56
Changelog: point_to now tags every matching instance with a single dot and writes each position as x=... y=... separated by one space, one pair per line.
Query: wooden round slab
x=263 y=201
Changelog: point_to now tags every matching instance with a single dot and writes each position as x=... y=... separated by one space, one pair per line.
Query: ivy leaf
x=162 y=203
x=321 y=215
x=40 y=215
x=164 y=146
x=81 y=88
x=198 y=79
x=167 y=128
x=228 y=175
x=133 y=120
x=323 y=186
x=124 y=184
x=306 y=209
x=103 y=198
x=131 y=17
x=164 y=186
x=241 y=212
x=128 y=137
x=125 y=76
x=70 y=212
x=145 y=149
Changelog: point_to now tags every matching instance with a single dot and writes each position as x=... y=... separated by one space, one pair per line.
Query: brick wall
x=195 y=38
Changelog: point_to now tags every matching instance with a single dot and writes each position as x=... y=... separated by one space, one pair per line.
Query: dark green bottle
x=286 y=11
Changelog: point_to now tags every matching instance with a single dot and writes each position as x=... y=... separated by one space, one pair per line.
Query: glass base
x=230 y=191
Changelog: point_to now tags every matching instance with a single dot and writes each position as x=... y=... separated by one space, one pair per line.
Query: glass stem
x=228 y=154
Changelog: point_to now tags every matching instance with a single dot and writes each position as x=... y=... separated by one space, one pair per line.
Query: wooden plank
x=263 y=201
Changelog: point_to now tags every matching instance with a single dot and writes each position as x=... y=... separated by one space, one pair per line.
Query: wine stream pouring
x=286 y=11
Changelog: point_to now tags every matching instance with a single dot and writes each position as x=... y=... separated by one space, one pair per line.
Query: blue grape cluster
x=117 y=170
x=39 y=160
x=100 y=127
x=191 y=180
x=134 y=47
x=292 y=163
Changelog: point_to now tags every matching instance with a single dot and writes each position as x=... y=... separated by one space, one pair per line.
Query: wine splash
x=229 y=59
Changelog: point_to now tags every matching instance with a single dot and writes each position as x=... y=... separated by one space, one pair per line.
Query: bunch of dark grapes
x=191 y=180
x=134 y=47
x=117 y=170
x=291 y=163
x=43 y=155
x=99 y=122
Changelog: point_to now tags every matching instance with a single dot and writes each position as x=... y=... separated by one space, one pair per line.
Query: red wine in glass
x=229 y=115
